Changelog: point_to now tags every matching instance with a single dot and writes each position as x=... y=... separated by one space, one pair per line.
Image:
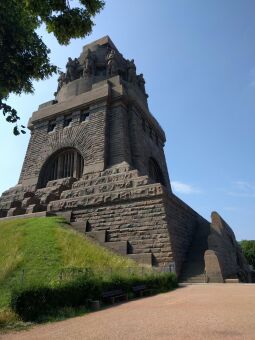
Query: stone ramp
x=194 y=267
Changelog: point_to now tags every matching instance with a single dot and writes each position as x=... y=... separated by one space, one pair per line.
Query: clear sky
x=198 y=60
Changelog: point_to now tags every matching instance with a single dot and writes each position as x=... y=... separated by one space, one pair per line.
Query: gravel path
x=216 y=311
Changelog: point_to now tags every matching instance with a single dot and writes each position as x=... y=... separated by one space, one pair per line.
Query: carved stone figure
x=141 y=82
x=89 y=64
x=72 y=67
x=69 y=70
x=61 y=80
x=132 y=72
x=111 y=63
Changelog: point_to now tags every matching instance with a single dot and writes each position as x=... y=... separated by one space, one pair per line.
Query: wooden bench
x=140 y=290
x=114 y=295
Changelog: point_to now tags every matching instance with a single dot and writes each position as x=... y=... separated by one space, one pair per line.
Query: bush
x=248 y=248
x=34 y=302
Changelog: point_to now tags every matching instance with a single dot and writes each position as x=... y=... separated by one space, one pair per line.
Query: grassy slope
x=37 y=249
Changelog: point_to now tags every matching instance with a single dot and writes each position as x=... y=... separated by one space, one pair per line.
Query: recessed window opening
x=84 y=115
x=155 y=172
x=67 y=120
x=51 y=125
x=66 y=163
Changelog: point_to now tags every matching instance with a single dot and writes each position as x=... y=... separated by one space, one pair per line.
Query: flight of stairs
x=119 y=247
x=193 y=270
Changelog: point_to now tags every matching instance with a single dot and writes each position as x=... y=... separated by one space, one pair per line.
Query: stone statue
x=69 y=70
x=132 y=72
x=111 y=63
x=141 y=82
x=61 y=80
x=89 y=64
x=72 y=67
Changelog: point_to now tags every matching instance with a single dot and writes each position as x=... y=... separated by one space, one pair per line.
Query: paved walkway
x=216 y=311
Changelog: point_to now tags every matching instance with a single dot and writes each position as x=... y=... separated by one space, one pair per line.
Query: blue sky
x=198 y=60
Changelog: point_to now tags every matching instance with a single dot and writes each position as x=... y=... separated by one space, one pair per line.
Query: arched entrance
x=64 y=163
x=155 y=172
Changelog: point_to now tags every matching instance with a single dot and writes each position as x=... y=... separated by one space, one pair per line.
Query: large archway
x=155 y=172
x=64 y=163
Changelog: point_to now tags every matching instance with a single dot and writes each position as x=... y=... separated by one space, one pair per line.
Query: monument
x=96 y=156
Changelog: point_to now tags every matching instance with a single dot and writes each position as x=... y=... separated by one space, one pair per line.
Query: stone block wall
x=88 y=137
x=182 y=223
x=147 y=142
x=130 y=208
x=118 y=135
x=142 y=223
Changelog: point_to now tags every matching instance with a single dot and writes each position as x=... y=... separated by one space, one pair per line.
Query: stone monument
x=96 y=156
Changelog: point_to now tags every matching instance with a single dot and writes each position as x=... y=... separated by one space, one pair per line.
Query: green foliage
x=63 y=20
x=248 y=248
x=24 y=57
x=43 y=257
x=34 y=303
x=36 y=250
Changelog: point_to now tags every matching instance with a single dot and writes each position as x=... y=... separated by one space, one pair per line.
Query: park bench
x=140 y=290
x=113 y=295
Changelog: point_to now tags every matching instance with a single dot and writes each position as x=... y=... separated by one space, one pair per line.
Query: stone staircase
x=20 y=200
x=119 y=247
x=67 y=196
x=194 y=267
x=111 y=185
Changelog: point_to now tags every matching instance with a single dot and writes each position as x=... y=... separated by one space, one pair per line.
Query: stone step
x=194 y=280
x=193 y=268
x=33 y=208
x=37 y=214
x=97 y=180
x=79 y=226
x=106 y=187
x=145 y=258
x=119 y=247
x=66 y=214
x=16 y=211
x=232 y=281
x=99 y=236
x=146 y=191
x=194 y=277
x=114 y=170
x=8 y=204
x=13 y=198
x=117 y=169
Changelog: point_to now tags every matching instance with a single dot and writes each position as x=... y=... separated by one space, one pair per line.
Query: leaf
x=16 y=130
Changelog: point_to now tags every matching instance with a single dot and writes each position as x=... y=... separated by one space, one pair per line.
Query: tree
x=23 y=55
x=248 y=248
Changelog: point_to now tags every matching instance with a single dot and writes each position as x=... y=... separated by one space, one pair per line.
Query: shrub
x=32 y=303
x=248 y=248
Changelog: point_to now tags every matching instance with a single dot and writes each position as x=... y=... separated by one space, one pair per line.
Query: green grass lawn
x=37 y=250
x=45 y=253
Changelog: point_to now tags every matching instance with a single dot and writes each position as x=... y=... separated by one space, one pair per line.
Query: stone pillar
x=119 y=141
